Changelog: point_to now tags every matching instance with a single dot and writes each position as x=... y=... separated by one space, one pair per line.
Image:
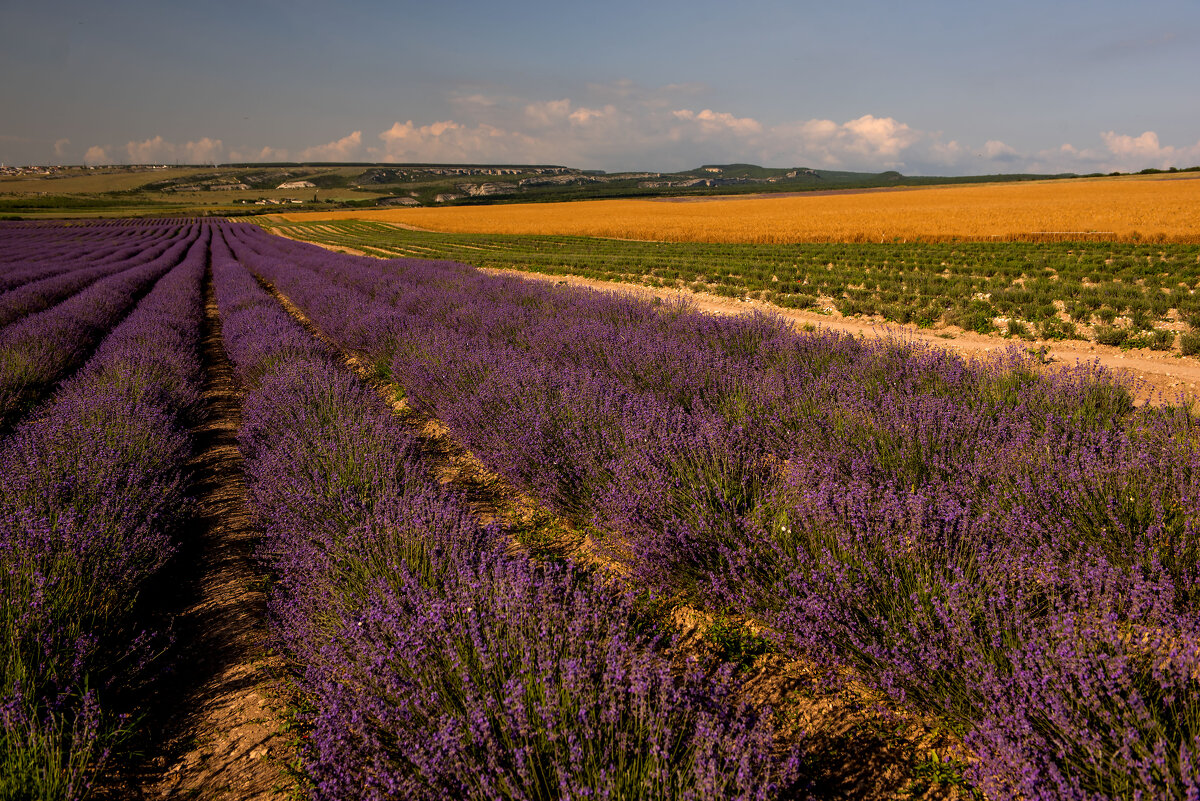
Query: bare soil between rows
x=215 y=730
x=1157 y=377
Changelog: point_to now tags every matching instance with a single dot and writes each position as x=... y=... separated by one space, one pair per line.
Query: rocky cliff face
x=558 y=180
x=479 y=190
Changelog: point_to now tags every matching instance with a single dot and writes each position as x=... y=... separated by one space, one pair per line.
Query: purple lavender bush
x=956 y=577
x=513 y=680
x=94 y=490
x=945 y=527
x=33 y=252
x=434 y=663
x=41 y=348
x=33 y=296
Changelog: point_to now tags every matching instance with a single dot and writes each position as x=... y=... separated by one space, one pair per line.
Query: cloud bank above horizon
x=510 y=131
x=926 y=88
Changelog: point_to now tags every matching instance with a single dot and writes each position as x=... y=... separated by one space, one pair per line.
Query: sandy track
x=1159 y=376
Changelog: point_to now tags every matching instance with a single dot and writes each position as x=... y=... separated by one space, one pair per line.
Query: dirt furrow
x=217 y=731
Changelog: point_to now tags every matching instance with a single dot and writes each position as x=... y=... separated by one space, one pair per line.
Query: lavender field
x=1005 y=550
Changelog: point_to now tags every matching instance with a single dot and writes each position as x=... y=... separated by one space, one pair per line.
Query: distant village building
x=495 y=170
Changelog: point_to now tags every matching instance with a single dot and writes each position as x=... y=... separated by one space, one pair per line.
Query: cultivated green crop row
x=1133 y=295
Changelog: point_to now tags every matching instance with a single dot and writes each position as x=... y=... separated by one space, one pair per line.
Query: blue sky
x=922 y=87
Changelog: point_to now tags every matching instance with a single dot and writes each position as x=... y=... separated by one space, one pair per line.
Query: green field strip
x=1134 y=294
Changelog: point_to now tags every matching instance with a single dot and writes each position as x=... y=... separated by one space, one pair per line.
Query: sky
x=925 y=88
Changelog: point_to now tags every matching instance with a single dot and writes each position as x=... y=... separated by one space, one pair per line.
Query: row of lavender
x=1012 y=550
x=436 y=662
x=39 y=286
x=94 y=488
x=33 y=251
x=46 y=339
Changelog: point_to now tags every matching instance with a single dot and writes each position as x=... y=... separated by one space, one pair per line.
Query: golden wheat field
x=1164 y=208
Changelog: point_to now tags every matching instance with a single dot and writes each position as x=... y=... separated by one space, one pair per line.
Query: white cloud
x=624 y=126
x=877 y=136
x=1119 y=153
x=344 y=149
x=587 y=116
x=160 y=151
x=561 y=131
x=865 y=143
x=266 y=154
x=996 y=150
x=710 y=121
x=1144 y=146
x=206 y=151
x=1148 y=152
x=818 y=130
x=548 y=112
x=96 y=155
x=150 y=151
x=451 y=141
x=562 y=119
x=947 y=152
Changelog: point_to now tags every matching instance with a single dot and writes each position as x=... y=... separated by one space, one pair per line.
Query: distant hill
x=231 y=189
